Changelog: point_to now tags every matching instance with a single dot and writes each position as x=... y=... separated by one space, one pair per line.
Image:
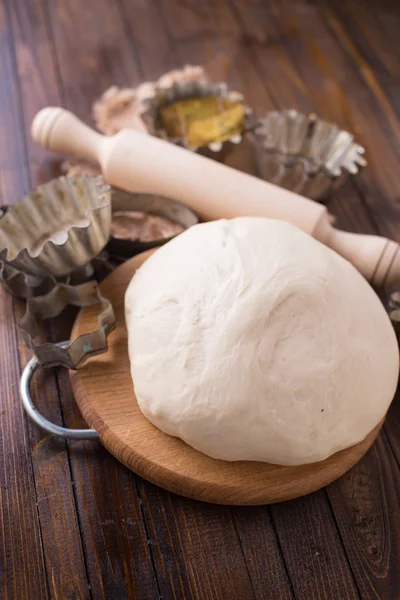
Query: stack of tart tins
x=49 y=244
x=56 y=230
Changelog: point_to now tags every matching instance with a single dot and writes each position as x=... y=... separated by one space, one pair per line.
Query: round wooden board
x=104 y=393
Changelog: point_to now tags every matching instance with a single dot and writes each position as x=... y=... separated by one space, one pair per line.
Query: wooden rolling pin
x=138 y=162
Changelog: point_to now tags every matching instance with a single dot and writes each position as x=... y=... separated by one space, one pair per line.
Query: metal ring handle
x=64 y=432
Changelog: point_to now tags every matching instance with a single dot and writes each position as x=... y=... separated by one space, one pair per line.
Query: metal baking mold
x=181 y=90
x=122 y=249
x=58 y=227
x=305 y=154
x=52 y=304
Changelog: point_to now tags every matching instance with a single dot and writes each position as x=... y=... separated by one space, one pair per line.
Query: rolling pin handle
x=377 y=258
x=59 y=130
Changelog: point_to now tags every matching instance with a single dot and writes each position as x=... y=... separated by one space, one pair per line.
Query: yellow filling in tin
x=203 y=120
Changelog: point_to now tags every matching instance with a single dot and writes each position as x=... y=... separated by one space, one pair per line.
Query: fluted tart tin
x=305 y=154
x=57 y=228
x=201 y=115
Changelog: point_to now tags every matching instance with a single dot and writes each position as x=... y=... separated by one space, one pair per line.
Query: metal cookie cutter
x=67 y=354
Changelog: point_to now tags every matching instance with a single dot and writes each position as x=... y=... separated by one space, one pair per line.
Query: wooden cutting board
x=104 y=393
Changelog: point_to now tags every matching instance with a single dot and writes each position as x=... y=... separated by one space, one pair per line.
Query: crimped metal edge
x=304 y=153
x=23 y=285
x=52 y=304
x=40 y=214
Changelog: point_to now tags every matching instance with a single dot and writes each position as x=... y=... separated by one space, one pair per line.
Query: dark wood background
x=74 y=522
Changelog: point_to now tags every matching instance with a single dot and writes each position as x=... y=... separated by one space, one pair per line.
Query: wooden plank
x=62 y=547
x=195 y=547
x=37 y=77
x=36 y=69
x=61 y=540
x=381 y=129
x=14 y=175
x=146 y=33
x=243 y=46
x=314 y=557
x=366 y=503
x=386 y=17
x=117 y=549
x=93 y=53
x=371 y=45
x=116 y=546
x=22 y=568
x=261 y=549
x=191 y=28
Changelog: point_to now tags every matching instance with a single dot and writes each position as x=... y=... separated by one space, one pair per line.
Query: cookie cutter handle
x=37 y=417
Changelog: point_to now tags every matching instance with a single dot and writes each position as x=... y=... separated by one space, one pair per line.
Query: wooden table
x=74 y=522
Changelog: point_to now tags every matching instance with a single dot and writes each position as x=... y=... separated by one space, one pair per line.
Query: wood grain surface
x=74 y=522
x=104 y=393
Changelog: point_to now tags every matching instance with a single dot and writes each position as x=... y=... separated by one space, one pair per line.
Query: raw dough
x=250 y=340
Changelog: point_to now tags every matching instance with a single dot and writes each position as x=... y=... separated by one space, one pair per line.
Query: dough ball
x=250 y=340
